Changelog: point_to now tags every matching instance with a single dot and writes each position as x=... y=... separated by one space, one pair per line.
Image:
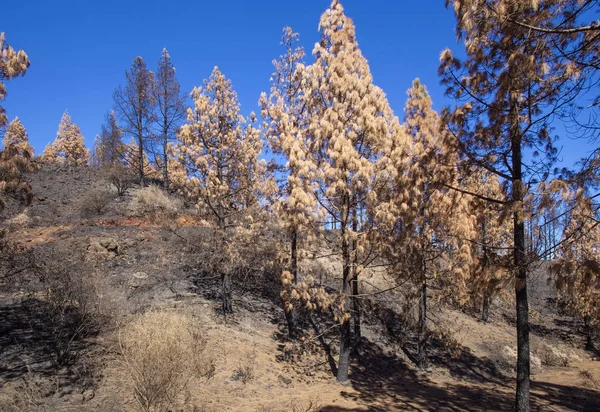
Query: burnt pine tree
x=349 y=122
x=170 y=108
x=511 y=84
x=284 y=114
x=134 y=105
x=12 y=64
x=218 y=149
x=108 y=147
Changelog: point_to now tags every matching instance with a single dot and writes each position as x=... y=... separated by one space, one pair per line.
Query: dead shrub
x=162 y=351
x=151 y=202
x=552 y=356
x=245 y=371
x=95 y=202
x=120 y=177
x=63 y=303
x=312 y=405
x=588 y=379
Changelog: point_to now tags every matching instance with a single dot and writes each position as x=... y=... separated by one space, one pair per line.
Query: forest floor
x=470 y=369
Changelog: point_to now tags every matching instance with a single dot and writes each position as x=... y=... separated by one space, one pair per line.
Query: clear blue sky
x=79 y=50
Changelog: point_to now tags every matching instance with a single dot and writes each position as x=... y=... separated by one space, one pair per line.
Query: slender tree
x=427 y=225
x=134 y=105
x=219 y=150
x=12 y=63
x=170 y=108
x=69 y=145
x=493 y=241
x=577 y=267
x=283 y=111
x=16 y=136
x=349 y=123
x=513 y=82
x=108 y=147
x=130 y=155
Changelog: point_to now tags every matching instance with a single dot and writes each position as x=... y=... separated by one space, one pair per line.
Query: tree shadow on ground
x=27 y=346
x=384 y=382
x=459 y=361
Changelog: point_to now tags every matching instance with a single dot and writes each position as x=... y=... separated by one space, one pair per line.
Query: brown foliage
x=12 y=167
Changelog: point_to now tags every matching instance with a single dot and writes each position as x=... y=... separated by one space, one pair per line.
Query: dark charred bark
x=141 y=161
x=291 y=316
x=422 y=344
x=165 y=154
x=485 y=309
x=589 y=333
x=227 y=292
x=355 y=302
x=345 y=336
x=523 y=362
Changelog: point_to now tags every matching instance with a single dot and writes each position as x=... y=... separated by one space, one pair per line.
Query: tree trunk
x=422 y=348
x=345 y=337
x=165 y=156
x=589 y=335
x=523 y=361
x=291 y=316
x=141 y=161
x=226 y=290
x=485 y=309
x=226 y=282
x=355 y=302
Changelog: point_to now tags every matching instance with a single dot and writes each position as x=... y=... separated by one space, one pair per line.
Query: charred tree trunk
x=422 y=348
x=226 y=281
x=165 y=155
x=140 y=132
x=291 y=316
x=523 y=362
x=226 y=290
x=589 y=333
x=141 y=161
x=485 y=308
x=345 y=336
x=355 y=302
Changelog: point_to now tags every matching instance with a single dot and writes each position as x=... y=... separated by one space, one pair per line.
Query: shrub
x=63 y=303
x=120 y=177
x=162 y=351
x=153 y=203
x=20 y=221
x=588 y=379
x=95 y=201
x=552 y=356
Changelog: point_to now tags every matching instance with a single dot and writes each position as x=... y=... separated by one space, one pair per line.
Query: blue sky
x=80 y=50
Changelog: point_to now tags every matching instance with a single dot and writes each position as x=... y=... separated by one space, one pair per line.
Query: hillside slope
x=136 y=264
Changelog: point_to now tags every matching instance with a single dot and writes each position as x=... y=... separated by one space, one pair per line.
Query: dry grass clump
x=20 y=221
x=552 y=356
x=588 y=379
x=245 y=371
x=162 y=352
x=95 y=202
x=29 y=393
x=151 y=202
